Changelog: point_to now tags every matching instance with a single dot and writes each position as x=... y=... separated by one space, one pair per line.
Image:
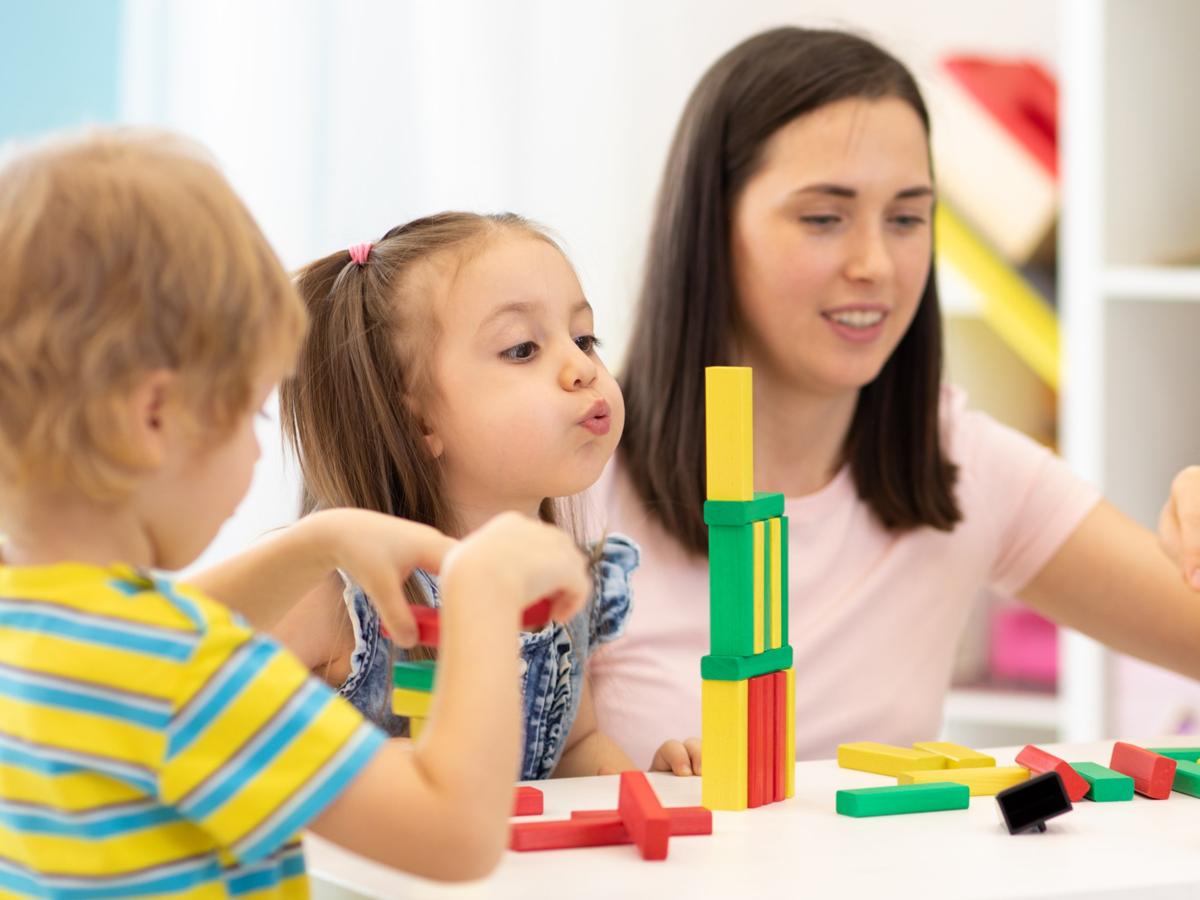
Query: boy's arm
x=589 y=751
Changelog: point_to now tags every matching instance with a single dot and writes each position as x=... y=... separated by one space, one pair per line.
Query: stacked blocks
x=748 y=684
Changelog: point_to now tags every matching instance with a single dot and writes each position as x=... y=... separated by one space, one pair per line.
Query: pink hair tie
x=360 y=252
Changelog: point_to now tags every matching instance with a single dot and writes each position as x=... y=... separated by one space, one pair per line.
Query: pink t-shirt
x=875 y=617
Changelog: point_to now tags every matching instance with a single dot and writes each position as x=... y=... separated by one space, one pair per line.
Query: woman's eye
x=908 y=221
x=820 y=221
x=525 y=350
x=587 y=343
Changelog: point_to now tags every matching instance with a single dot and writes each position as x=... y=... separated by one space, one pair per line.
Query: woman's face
x=831 y=243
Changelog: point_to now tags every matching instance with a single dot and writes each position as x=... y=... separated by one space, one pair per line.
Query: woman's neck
x=798 y=436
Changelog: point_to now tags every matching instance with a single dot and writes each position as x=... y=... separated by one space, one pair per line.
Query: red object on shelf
x=1153 y=774
x=1023 y=647
x=528 y=801
x=1039 y=762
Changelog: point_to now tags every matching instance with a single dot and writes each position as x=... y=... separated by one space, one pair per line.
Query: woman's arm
x=1111 y=580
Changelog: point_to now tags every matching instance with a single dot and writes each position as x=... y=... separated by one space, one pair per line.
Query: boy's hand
x=1179 y=525
x=379 y=552
x=680 y=757
x=527 y=561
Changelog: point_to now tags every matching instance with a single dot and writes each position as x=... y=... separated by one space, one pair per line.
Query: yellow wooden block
x=983 y=781
x=884 y=759
x=729 y=432
x=407 y=702
x=776 y=587
x=957 y=756
x=416 y=724
x=759 y=595
x=790 y=735
x=724 y=726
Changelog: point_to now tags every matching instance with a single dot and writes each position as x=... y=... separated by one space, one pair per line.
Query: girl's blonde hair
x=123 y=251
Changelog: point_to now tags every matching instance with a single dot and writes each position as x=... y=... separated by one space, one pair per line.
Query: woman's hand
x=1179 y=525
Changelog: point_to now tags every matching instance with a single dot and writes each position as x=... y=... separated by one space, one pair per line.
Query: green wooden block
x=903 y=798
x=1188 y=754
x=743 y=512
x=414 y=674
x=1187 y=778
x=739 y=668
x=1105 y=784
x=731 y=590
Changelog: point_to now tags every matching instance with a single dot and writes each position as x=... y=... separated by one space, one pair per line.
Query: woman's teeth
x=857 y=318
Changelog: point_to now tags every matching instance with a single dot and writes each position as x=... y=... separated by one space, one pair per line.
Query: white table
x=802 y=848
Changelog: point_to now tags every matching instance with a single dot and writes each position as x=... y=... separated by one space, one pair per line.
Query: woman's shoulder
x=617 y=557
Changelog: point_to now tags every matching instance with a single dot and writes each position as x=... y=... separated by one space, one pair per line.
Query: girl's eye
x=820 y=221
x=587 y=343
x=521 y=351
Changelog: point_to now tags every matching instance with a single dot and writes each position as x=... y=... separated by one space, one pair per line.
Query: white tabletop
x=802 y=848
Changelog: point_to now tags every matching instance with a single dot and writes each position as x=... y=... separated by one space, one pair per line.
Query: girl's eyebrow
x=525 y=308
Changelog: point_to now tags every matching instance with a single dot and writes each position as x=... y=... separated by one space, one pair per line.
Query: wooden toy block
x=743 y=668
x=724 y=707
x=956 y=755
x=567 y=834
x=761 y=626
x=781 y=761
x=775 y=551
x=407 y=702
x=528 y=801
x=883 y=759
x=416 y=725
x=1187 y=778
x=729 y=432
x=1104 y=785
x=1026 y=807
x=731 y=583
x=768 y=738
x=789 y=735
x=536 y=616
x=685 y=820
x=1152 y=773
x=643 y=815
x=1188 y=754
x=414 y=674
x=428 y=625
x=982 y=782
x=754 y=740
x=743 y=512
x=903 y=798
x=1038 y=762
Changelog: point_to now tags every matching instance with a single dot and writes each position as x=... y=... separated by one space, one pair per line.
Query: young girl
x=450 y=374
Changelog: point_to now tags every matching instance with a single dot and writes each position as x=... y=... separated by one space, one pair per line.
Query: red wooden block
x=563 y=835
x=684 y=819
x=537 y=615
x=428 y=625
x=528 y=801
x=1152 y=773
x=754 y=734
x=780 y=737
x=643 y=815
x=767 y=745
x=1039 y=762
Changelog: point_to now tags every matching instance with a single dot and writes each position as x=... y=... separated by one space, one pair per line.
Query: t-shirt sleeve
x=1029 y=496
x=257 y=747
x=610 y=608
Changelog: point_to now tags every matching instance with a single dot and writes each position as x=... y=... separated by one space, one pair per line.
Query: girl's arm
x=589 y=751
x=1112 y=581
x=439 y=807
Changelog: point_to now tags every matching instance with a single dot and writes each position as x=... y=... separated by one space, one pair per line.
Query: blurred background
x=1065 y=145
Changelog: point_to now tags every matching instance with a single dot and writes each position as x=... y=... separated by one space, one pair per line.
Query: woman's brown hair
x=686 y=311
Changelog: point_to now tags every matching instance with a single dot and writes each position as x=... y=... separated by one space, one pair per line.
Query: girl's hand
x=1179 y=525
x=379 y=552
x=525 y=560
x=680 y=757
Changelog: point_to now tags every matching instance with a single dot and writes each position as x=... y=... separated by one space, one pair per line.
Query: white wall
x=338 y=120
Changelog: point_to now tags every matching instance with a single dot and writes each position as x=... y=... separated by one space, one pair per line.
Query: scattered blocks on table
x=884 y=759
x=1026 y=807
x=1187 y=778
x=685 y=820
x=528 y=801
x=956 y=755
x=1188 y=754
x=729 y=433
x=724 y=718
x=644 y=817
x=1104 y=785
x=565 y=835
x=982 y=782
x=1038 y=761
x=1152 y=774
x=904 y=798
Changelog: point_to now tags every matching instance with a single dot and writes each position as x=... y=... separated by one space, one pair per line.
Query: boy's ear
x=146 y=410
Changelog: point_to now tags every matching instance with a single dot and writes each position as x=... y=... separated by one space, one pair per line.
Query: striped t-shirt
x=152 y=744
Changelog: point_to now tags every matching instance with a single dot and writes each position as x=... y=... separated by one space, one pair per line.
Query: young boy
x=151 y=743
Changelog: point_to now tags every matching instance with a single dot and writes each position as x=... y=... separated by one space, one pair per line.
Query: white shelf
x=996 y=706
x=1181 y=283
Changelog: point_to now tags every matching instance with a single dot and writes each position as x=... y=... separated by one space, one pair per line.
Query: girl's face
x=522 y=406
x=831 y=243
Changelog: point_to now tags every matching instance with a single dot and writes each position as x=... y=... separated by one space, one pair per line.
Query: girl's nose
x=578 y=370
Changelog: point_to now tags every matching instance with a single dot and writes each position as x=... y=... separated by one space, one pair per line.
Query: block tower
x=748 y=684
